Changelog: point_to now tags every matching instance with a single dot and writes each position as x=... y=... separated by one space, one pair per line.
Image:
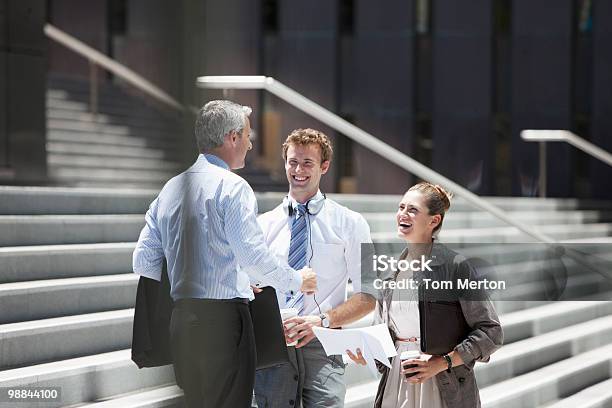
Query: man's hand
x=300 y=328
x=256 y=289
x=309 y=281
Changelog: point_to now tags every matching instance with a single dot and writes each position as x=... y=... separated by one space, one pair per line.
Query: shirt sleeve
x=487 y=334
x=248 y=245
x=148 y=256
x=359 y=238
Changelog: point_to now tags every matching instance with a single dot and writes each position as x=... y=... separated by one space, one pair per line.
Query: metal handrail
x=363 y=138
x=545 y=135
x=96 y=58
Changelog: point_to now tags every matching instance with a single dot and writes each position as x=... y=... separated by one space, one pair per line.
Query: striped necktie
x=298 y=248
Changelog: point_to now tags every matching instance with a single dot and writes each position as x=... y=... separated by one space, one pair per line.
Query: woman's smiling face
x=414 y=224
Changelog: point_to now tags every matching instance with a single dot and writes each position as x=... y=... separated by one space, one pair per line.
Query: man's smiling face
x=304 y=169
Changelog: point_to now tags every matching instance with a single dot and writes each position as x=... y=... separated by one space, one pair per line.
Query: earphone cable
x=314 y=296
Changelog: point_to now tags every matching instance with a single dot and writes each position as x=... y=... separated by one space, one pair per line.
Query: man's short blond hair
x=303 y=137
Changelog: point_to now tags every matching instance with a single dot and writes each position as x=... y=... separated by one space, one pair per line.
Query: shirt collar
x=318 y=195
x=212 y=159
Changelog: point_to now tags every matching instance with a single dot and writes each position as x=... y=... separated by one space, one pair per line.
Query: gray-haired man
x=204 y=223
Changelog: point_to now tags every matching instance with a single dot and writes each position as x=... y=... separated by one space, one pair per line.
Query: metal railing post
x=93 y=88
x=97 y=59
x=543 y=174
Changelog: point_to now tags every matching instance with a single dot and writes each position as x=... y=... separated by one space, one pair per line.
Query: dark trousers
x=213 y=351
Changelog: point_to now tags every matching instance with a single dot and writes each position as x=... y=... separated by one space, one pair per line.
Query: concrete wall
x=384 y=65
x=151 y=44
x=23 y=61
x=461 y=125
x=85 y=20
x=601 y=119
x=541 y=90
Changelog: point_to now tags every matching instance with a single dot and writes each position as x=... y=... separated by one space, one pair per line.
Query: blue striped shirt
x=204 y=223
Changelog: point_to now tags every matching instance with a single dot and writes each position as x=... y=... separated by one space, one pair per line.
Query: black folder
x=443 y=326
x=268 y=326
x=151 y=334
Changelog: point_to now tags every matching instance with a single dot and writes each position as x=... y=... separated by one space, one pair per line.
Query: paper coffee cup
x=287 y=314
x=409 y=355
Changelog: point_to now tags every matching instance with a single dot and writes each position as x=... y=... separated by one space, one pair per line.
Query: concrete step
x=173 y=396
x=154 y=122
x=122 y=176
x=544 y=324
x=551 y=382
x=89 y=378
x=83 y=161
x=370 y=203
x=131 y=140
x=75 y=86
x=39 y=341
x=596 y=396
x=101 y=128
x=380 y=222
x=576 y=287
x=119 y=106
x=509 y=234
x=18 y=197
x=108 y=183
x=76 y=129
x=31 y=263
x=511 y=306
x=168 y=396
x=102 y=150
x=66 y=200
x=543 y=319
x=35 y=300
x=531 y=271
x=28 y=230
x=537 y=388
x=536 y=352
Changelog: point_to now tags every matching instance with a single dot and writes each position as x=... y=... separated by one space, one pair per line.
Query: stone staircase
x=127 y=144
x=67 y=293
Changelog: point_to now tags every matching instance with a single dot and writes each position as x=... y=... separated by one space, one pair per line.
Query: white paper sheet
x=373 y=341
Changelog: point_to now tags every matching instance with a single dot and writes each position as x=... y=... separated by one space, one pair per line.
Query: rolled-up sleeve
x=148 y=256
x=248 y=245
x=487 y=335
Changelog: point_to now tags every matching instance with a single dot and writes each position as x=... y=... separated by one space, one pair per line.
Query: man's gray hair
x=216 y=119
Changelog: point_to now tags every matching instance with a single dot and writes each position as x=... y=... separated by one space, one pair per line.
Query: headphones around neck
x=313 y=206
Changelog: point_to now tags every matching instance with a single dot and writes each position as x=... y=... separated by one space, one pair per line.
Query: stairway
x=127 y=144
x=67 y=293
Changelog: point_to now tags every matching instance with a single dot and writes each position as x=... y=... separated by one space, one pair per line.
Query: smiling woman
x=430 y=381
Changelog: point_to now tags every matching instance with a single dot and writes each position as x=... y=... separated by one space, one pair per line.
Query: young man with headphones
x=308 y=229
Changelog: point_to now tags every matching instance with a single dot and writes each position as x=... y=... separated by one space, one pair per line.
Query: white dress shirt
x=204 y=222
x=334 y=248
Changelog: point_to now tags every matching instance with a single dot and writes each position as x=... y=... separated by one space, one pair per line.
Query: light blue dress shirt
x=204 y=222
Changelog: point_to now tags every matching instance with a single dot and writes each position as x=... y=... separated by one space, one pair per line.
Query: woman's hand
x=356 y=358
x=425 y=368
